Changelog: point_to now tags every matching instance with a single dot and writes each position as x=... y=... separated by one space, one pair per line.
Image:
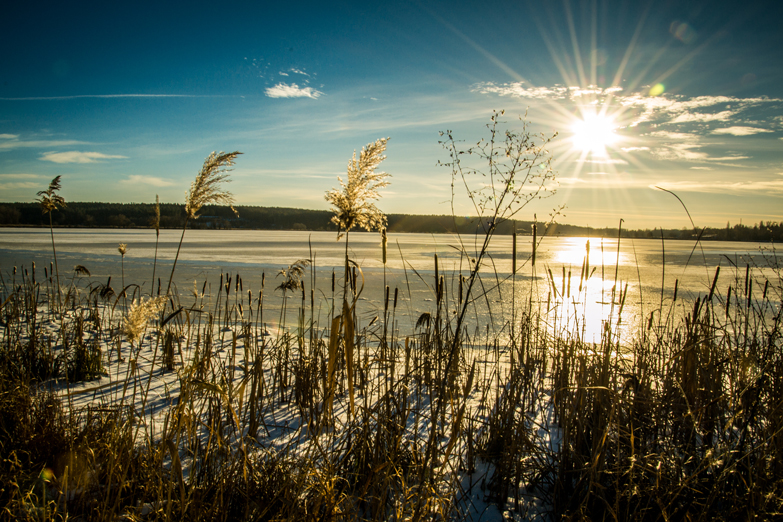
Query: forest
x=140 y=215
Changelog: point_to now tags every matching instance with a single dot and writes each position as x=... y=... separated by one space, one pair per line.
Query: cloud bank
x=671 y=127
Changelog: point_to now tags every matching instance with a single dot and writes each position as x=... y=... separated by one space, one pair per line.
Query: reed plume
x=353 y=204
x=207 y=189
x=292 y=276
x=292 y=281
x=139 y=314
x=49 y=199
x=122 y=248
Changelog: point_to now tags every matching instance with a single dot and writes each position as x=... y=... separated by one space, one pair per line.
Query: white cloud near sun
x=640 y=107
x=740 y=131
x=703 y=117
x=78 y=157
x=672 y=127
x=284 y=90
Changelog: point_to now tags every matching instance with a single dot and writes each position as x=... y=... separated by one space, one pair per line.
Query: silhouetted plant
x=50 y=200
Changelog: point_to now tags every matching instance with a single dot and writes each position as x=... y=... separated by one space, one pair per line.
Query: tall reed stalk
x=50 y=201
x=156 y=225
x=206 y=189
x=354 y=206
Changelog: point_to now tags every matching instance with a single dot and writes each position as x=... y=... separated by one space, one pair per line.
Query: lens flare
x=657 y=89
x=682 y=31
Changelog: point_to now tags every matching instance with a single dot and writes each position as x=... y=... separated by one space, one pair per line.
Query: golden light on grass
x=140 y=312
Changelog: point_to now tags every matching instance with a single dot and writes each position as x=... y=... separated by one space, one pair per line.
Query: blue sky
x=126 y=100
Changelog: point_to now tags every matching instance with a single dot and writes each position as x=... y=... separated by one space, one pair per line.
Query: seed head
x=353 y=204
x=140 y=312
x=207 y=187
x=293 y=275
x=49 y=199
x=156 y=219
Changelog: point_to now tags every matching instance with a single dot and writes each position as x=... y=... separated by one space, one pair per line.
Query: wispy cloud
x=81 y=96
x=740 y=131
x=14 y=143
x=283 y=90
x=677 y=109
x=690 y=152
x=147 y=180
x=19 y=181
x=703 y=117
x=78 y=157
x=8 y=136
x=15 y=185
x=19 y=176
x=678 y=136
x=558 y=92
x=723 y=187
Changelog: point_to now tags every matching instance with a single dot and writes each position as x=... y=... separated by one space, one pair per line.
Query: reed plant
x=50 y=201
x=156 y=226
x=206 y=189
x=354 y=206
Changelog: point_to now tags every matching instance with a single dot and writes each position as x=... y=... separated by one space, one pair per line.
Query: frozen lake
x=644 y=271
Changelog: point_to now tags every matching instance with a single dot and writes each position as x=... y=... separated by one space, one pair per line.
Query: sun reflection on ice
x=582 y=293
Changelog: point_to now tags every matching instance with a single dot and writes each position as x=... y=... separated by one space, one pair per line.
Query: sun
x=593 y=133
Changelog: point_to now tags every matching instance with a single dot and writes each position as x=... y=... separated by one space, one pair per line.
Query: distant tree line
x=139 y=215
